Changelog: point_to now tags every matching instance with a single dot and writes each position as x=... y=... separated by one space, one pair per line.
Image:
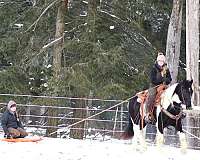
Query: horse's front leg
x=183 y=142
x=159 y=139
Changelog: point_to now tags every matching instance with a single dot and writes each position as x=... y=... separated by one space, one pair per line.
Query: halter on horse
x=170 y=108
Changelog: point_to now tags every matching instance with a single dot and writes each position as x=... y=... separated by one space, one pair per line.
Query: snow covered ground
x=70 y=149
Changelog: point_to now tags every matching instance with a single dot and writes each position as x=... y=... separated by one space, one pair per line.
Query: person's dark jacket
x=156 y=76
x=10 y=120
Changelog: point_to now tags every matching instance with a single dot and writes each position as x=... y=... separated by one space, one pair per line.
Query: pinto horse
x=168 y=112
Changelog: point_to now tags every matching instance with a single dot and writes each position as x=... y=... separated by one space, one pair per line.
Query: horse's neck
x=167 y=97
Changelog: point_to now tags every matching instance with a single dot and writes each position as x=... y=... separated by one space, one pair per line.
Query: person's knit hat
x=161 y=57
x=11 y=103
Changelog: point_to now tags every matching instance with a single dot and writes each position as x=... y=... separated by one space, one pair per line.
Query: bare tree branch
x=52 y=42
x=35 y=23
x=57 y=39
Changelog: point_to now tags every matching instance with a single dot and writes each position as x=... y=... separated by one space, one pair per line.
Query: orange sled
x=33 y=139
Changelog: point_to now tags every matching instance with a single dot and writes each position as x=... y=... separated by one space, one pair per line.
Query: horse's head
x=184 y=92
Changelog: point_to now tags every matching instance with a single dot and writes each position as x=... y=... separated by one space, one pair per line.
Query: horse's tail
x=133 y=118
x=128 y=133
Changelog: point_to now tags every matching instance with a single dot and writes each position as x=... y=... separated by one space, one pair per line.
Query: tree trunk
x=58 y=47
x=192 y=45
x=92 y=11
x=53 y=122
x=57 y=54
x=174 y=39
x=77 y=131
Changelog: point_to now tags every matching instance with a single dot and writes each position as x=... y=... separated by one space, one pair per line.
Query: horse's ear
x=187 y=82
x=191 y=81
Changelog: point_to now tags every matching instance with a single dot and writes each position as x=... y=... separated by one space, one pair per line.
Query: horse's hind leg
x=139 y=142
x=140 y=137
x=159 y=136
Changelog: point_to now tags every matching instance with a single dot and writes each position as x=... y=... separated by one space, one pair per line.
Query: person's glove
x=165 y=80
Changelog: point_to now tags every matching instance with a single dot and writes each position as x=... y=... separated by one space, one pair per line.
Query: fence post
x=114 y=127
x=121 y=118
x=192 y=125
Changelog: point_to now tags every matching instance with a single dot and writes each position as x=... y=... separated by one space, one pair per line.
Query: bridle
x=183 y=98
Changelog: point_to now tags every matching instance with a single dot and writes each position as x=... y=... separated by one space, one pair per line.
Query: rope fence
x=60 y=107
x=103 y=118
x=55 y=97
x=34 y=113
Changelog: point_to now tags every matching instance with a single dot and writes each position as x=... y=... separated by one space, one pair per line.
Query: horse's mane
x=168 y=96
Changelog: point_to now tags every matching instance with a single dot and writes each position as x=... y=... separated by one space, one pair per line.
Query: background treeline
x=108 y=46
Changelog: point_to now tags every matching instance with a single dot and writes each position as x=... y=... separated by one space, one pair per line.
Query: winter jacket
x=10 y=120
x=156 y=76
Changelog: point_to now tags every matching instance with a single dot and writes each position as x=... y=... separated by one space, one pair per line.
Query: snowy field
x=69 y=149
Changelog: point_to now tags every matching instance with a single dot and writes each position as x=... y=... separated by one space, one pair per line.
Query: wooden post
x=192 y=46
x=174 y=39
x=191 y=127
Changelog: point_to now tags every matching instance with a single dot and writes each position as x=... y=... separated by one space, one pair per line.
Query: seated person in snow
x=11 y=124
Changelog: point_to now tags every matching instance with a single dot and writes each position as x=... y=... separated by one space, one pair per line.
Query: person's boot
x=147 y=118
x=7 y=136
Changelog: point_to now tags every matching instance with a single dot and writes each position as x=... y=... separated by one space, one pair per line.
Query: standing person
x=11 y=124
x=160 y=74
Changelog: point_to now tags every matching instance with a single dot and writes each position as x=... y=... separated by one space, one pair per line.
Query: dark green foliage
x=13 y=81
x=19 y=48
x=108 y=56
